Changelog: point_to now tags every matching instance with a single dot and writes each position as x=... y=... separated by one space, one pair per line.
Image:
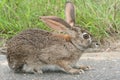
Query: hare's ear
x=70 y=13
x=55 y=22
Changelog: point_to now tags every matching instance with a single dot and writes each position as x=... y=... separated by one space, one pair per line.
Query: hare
x=33 y=49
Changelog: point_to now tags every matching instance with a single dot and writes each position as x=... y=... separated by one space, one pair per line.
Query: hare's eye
x=86 y=36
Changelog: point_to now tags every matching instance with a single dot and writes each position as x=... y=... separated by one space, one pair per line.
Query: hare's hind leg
x=15 y=63
x=67 y=68
x=32 y=62
x=33 y=66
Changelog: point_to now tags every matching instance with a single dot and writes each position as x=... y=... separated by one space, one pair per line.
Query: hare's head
x=67 y=29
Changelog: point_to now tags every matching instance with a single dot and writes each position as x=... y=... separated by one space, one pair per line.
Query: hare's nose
x=97 y=45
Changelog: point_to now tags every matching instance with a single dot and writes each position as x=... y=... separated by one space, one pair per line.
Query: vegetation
x=100 y=17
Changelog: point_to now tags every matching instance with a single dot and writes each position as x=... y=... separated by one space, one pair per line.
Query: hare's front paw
x=79 y=69
x=83 y=67
x=68 y=69
x=76 y=71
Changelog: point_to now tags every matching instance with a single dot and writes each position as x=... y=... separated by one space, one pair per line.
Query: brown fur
x=32 y=49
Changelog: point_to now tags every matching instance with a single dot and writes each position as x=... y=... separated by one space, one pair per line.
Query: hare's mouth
x=83 y=47
x=79 y=46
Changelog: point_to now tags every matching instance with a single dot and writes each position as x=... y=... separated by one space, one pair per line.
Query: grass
x=100 y=17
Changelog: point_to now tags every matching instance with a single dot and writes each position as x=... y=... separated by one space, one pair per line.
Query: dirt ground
x=105 y=63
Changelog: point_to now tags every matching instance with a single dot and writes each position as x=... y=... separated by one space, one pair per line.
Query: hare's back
x=34 y=37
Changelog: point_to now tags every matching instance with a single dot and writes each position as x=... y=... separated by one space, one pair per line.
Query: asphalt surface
x=106 y=66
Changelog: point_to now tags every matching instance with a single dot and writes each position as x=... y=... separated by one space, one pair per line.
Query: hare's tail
x=3 y=50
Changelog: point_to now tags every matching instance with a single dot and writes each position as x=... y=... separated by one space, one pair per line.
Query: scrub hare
x=33 y=49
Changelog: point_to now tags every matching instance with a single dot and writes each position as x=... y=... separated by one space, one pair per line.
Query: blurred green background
x=100 y=17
